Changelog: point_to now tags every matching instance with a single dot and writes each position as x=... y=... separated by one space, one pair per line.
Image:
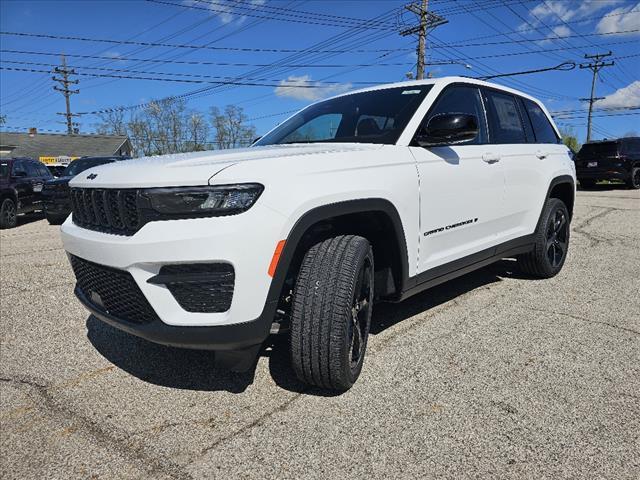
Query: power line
x=202 y=62
x=276 y=83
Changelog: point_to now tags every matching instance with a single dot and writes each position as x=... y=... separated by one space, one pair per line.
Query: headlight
x=203 y=201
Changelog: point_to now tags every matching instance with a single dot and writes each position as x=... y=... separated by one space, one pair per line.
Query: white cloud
x=303 y=88
x=620 y=20
x=554 y=11
x=224 y=11
x=628 y=96
x=567 y=10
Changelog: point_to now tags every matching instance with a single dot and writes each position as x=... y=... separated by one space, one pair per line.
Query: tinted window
x=377 y=116
x=631 y=146
x=460 y=99
x=320 y=129
x=18 y=167
x=528 y=129
x=598 y=150
x=505 y=125
x=541 y=125
x=32 y=169
x=44 y=171
x=4 y=170
x=77 y=166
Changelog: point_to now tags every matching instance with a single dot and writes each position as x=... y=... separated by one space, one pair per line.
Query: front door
x=461 y=188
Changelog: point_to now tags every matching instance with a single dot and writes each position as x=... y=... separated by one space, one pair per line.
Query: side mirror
x=448 y=129
x=256 y=139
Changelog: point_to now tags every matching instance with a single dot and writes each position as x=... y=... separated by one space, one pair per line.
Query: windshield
x=78 y=166
x=4 y=170
x=599 y=149
x=377 y=116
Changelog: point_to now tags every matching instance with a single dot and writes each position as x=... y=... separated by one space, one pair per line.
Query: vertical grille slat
x=106 y=210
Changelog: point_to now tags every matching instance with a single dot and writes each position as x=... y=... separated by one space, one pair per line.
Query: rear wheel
x=8 y=213
x=331 y=312
x=551 y=242
x=634 y=179
x=586 y=184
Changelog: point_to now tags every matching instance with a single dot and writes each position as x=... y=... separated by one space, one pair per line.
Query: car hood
x=197 y=168
x=59 y=181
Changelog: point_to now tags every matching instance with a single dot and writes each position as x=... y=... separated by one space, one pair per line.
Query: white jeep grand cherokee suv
x=368 y=196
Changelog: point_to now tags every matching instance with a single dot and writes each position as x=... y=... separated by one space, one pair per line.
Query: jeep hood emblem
x=92 y=176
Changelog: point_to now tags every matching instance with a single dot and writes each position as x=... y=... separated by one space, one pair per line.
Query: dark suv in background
x=57 y=202
x=609 y=160
x=21 y=184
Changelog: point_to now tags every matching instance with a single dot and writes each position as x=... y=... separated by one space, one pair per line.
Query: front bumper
x=220 y=338
x=232 y=239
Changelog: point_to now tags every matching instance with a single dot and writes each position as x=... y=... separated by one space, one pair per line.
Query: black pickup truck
x=609 y=160
x=21 y=183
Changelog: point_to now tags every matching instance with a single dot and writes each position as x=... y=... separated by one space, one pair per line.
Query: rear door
x=513 y=140
x=461 y=187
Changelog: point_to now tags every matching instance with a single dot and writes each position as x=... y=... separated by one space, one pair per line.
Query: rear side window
x=460 y=99
x=541 y=125
x=505 y=125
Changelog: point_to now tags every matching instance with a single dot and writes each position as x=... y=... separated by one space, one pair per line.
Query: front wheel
x=8 y=214
x=551 y=242
x=331 y=312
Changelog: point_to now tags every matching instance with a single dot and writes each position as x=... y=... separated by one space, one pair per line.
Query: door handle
x=541 y=155
x=491 y=157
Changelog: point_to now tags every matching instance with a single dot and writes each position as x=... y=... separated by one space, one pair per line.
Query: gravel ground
x=491 y=375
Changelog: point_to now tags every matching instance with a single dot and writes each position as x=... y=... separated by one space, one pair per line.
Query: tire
x=8 y=213
x=634 y=179
x=551 y=242
x=331 y=312
x=586 y=184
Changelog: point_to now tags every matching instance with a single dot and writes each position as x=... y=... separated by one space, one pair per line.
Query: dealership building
x=54 y=148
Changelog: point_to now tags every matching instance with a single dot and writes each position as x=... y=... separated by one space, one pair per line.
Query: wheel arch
x=374 y=218
x=563 y=188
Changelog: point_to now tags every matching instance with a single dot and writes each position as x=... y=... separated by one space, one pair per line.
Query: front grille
x=112 y=291
x=106 y=210
x=201 y=287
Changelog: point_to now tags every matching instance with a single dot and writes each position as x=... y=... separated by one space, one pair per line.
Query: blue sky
x=490 y=36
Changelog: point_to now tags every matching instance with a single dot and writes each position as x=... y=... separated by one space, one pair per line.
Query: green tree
x=570 y=139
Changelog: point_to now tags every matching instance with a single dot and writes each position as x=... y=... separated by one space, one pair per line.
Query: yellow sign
x=60 y=159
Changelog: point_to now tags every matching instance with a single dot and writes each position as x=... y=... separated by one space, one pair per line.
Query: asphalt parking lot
x=489 y=376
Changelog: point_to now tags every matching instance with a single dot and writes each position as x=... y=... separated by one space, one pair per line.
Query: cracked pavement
x=490 y=375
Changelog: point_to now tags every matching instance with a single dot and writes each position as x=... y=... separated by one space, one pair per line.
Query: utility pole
x=596 y=65
x=426 y=21
x=65 y=82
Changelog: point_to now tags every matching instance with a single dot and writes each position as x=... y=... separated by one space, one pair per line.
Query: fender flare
x=325 y=212
x=555 y=182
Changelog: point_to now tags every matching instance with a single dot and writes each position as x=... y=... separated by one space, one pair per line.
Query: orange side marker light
x=276 y=258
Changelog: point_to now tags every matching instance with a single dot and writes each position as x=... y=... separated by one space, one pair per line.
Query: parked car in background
x=57 y=202
x=609 y=160
x=57 y=169
x=21 y=183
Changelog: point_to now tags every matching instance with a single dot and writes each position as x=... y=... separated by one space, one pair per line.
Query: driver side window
x=460 y=99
